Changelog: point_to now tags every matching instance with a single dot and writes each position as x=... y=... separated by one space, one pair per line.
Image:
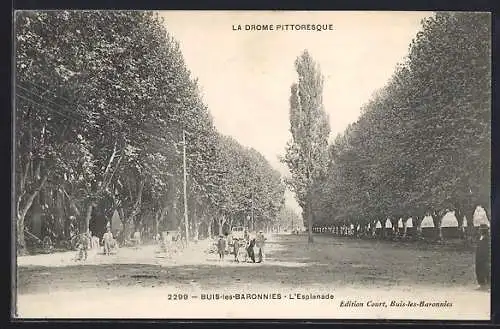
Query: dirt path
x=143 y=283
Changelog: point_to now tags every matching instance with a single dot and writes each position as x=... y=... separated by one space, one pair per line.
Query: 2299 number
x=177 y=296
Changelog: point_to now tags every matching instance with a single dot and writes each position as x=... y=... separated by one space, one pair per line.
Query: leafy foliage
x=103 y=99
x=306 y=154
x=422 y=144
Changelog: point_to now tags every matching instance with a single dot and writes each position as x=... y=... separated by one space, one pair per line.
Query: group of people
x=170 y=242
x=88 y=241
x=243 y=249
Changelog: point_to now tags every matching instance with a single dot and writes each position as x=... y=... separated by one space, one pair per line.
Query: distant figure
x=94 y=242
x=250 y=250
x=483 y=265
x=137 y=238
x=260 y=241
x=240 y=251
x=164 y=241
x=47 y=243
x=228 y=239
x=177 y=238
x=120 y=237
x=108 y=241
x=83 y=246
x=236 y=248
x=221 y=247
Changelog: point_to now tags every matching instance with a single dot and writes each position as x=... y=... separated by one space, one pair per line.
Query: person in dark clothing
x=221 y=247
x=483 y=258
x=250 y=250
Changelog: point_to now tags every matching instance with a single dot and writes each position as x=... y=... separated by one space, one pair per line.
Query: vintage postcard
x=252 y=165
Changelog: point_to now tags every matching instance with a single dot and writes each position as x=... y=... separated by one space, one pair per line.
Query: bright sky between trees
x=245 y=76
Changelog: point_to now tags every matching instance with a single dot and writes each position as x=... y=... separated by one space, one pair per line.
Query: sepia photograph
x=251 y=165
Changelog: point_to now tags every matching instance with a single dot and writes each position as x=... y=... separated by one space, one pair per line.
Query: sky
x=245 y=76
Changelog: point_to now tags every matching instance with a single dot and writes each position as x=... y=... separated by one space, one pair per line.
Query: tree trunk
x=124 y=234
x=21 y=211
x=460 y=219
x=382 y=230
x=418 y=222
x=21 y=243
x=211 y=228
x=309 y=223
x=395 y=225
x=164 y=215
x=36 y=217
x=158 y=219
x=221 y=221
x=487 y=210
x=88 y=216
x=437 y=219
x=137 y=206
x=470 y=225
x=60 y=220
x=172 y=221
x=157 y=227
x=197 y=231
x=194 y=222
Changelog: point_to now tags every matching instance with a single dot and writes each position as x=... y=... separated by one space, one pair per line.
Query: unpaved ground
x=143 y=283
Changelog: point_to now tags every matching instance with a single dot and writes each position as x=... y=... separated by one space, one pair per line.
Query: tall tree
x=307 y=152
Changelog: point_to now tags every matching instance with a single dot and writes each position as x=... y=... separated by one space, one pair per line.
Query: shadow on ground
x=290 y=262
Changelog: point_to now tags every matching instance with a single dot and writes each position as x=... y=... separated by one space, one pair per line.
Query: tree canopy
x=102 y=101
x=422 y=143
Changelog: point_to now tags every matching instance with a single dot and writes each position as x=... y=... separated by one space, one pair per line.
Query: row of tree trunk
x=67 y=224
